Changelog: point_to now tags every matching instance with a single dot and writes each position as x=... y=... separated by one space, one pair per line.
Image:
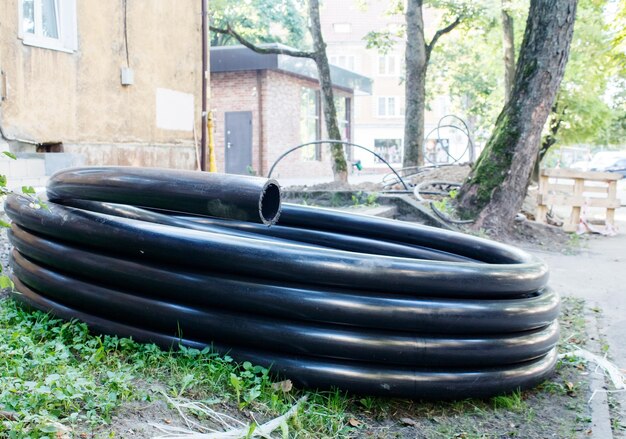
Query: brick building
x=265 y=104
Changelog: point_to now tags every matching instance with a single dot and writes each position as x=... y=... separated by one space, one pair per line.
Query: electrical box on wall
x=128 y=76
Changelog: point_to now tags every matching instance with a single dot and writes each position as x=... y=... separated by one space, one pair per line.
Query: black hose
x=298 y=300
x=326 y=298
x=224 y=196
x=313 y=372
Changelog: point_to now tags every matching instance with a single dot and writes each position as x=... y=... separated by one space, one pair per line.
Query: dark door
x=238 y=142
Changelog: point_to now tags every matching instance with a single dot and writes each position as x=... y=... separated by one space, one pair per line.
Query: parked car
x=603 y=160
x=619 y=166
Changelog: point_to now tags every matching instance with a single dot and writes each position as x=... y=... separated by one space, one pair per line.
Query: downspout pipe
x=205 y=73
x=4 y=136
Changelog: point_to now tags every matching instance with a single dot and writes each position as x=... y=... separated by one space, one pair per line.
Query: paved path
x=598 y=275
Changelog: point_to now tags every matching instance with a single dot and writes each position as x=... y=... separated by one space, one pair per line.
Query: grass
x=55 y=376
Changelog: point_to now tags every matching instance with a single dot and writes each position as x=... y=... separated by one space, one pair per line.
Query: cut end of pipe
x=269 y=203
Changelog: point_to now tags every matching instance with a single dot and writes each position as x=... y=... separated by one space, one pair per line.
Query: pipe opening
x=269 y=204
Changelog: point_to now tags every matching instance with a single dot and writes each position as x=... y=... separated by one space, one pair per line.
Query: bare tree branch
x=264 y=50
x=439 y=33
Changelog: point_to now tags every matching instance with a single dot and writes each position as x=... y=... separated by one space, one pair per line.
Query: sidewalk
x=597 y=274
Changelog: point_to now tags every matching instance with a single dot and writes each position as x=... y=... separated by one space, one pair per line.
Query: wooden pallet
x=577 y=189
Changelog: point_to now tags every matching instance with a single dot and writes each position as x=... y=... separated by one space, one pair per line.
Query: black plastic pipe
x=287 y=262
x=312 y=372
x=360 y=344
x=297 y=300
x=220 y=195
x=326 y=298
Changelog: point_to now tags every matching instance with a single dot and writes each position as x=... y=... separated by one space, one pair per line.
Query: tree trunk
x=340 y=167
x=508 y=44
x=416 y=60
x=417 y=55
x=554 y=123
x=495 y=189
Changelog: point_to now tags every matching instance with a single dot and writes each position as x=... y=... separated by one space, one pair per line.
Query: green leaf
x=28 y=190
x=3 y=180
x=9 y=154
x=251 y=430
x=235 y=381
x=5 y=282
x=5 y=224
x=48 y=429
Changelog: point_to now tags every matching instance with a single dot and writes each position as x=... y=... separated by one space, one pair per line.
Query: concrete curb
x=600 y=416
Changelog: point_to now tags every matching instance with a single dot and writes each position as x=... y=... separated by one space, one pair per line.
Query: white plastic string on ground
x=615 y=374
x=235 y=427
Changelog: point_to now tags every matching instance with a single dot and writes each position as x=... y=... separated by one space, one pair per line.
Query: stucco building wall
x=77 y=98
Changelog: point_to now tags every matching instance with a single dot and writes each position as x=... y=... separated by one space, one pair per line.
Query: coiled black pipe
x=225 y=196
x=326 y=298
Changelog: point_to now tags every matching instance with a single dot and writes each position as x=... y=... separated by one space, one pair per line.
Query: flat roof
x=239 y=58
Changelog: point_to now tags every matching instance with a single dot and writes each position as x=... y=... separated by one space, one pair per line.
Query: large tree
x=318 y=55
x=418 y=53
x=494 y=191
x=417 y=57
x=508 y=48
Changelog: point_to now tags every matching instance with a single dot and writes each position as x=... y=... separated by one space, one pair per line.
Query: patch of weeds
x=364 y=199
x=57 y=378
x=512 y=401
x=575 y=244
x=446 y=204
x=572 y=322
x=249 y=383
x=54 y=373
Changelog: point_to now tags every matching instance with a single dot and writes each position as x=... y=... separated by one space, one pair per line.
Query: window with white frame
x=386 y=106
x=387 y=65
x=50 y=24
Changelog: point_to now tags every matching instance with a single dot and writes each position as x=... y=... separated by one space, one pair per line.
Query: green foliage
x=445 y=205
x=260 y=21
x=583 y=105
x=447 y=11
x=468 y=67
x=54 y=371
x=364 y=199
x=512 y=401
x=472 y=81
x=619 y=38
x=384 y=40
x=56 y=378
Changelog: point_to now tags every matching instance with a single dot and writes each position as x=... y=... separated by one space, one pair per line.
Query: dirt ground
x=556 y=409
